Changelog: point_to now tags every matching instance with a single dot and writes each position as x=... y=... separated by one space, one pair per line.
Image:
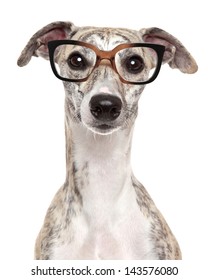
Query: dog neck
x=98 y=167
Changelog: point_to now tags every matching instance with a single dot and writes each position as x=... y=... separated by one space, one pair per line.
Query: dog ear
x=37 y=45
x=176 y=55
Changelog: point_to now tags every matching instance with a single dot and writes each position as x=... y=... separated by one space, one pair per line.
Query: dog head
x=104 y=70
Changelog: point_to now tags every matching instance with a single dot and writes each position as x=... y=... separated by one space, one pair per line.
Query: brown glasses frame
x=109 y=55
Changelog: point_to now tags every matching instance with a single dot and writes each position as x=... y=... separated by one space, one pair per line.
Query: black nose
x=105 y=107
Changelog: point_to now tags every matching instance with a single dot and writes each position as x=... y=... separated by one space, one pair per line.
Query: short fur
x=102 y=211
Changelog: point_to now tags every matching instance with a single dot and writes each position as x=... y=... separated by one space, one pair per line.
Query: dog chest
x=127 y=238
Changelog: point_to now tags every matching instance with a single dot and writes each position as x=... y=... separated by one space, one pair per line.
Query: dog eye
x=76 y=61
x=134 y=64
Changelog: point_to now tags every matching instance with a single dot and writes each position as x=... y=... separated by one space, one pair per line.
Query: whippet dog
x=102 y=211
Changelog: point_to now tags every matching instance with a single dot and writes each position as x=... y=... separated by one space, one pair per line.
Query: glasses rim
x=109 y=55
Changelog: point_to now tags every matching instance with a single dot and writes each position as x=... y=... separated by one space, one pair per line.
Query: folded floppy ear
x=37 y=45
x=176 y=55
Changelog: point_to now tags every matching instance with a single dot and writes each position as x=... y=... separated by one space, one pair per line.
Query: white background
x=170 y=153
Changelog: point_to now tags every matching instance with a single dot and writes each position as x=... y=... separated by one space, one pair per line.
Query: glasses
x=74 y=61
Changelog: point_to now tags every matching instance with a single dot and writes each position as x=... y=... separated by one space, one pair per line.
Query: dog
x=102 y=211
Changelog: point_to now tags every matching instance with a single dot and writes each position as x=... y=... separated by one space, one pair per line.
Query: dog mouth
x=103 y=129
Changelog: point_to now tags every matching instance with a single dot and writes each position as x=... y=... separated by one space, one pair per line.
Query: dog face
x=103 y=103
x=106 y=98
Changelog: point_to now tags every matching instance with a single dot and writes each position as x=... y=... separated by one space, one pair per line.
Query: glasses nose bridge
x=106 y=55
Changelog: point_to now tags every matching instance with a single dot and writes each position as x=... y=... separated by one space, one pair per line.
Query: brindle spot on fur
x=74 y=168
x=160 y=234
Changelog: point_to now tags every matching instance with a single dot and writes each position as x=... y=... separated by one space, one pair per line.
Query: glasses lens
x=136 y=64
x=74 y=62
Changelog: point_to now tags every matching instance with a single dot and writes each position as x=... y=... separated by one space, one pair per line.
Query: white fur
x=110 y=226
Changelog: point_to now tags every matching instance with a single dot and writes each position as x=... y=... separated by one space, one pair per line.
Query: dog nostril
x=96 y=111
x=114 y=112
x=105 y=107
